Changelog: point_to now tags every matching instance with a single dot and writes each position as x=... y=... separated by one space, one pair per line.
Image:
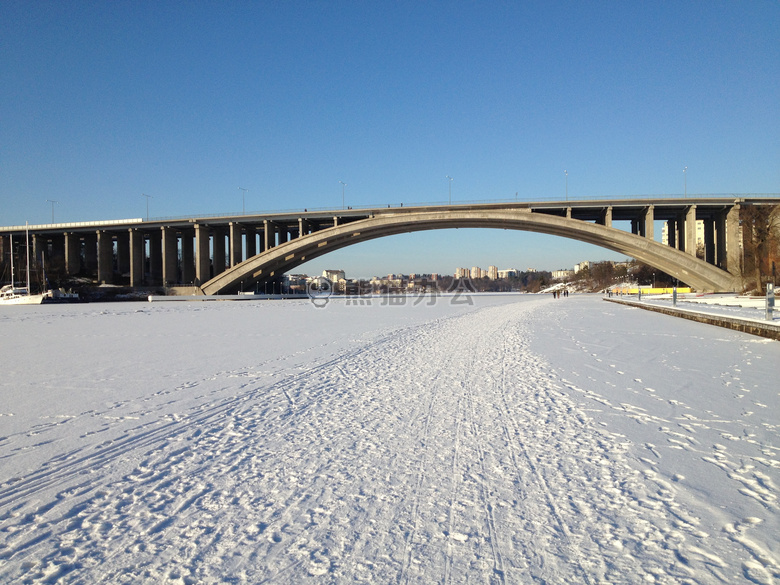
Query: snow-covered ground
x=518 y=439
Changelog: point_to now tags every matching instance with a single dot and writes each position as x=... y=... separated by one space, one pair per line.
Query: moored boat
x=18 y=295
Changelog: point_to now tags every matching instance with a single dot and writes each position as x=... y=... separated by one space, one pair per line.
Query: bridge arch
x=285 y=257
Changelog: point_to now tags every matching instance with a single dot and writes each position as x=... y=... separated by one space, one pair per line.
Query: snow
x=508 y=439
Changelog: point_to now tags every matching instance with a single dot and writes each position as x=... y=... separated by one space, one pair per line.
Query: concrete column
x=647 y=220
x=720 y=240
x=170 y=253
x=269 y=235
x=105 y=242
x=137 y=259
x=72 y=254
x=236 y=243
x=636 y=228
x=90 y=253
x=251 y=241
x=606 y=217
x=690 y=231
x=39 y=244
x=284 y=235
x=155 y=257
x=218 y=245
x=187 y=258
x=303 y=227
x=709 y=240
x=123 y=252
x=733 y=245
x=568 y=213
x=202 y=260
x=336 y=221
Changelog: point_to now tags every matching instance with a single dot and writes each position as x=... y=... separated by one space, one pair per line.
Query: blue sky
x=101 y=102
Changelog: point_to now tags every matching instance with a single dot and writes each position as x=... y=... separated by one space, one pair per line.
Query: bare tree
x=760 y=243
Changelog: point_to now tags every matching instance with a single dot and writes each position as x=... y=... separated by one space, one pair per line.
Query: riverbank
x=746 y=314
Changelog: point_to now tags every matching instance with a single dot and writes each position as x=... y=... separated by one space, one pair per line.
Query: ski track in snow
x=447 y=452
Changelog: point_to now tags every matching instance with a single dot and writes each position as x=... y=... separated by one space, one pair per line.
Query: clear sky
x=101 y=102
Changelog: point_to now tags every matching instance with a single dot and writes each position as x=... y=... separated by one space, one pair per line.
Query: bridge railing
x=399 y=205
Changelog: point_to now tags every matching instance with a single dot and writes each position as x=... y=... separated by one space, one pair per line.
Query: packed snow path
x=510 y=442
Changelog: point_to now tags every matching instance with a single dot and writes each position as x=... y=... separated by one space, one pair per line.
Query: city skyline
x=125 y=110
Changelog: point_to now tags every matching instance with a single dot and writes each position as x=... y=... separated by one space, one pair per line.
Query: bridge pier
x=648 y=226
x=731 y=241
x=136 y=257
x=236 y=243
x=37 y=245
x=202 y=261
x=72 y=253
x=606 y=217
x=269 y=235
x=304 y=227
x=690 y=231
x=170 y=248
x=105 y=242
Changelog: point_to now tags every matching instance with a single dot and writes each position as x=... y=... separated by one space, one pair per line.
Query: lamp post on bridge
x=243 y=199
x=567 y=184
x=450 y=178
x=52 y=208
x=147 y=204
x=343 y=186
x=685 y=182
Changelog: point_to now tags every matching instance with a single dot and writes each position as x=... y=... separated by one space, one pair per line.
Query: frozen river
x=518 y=439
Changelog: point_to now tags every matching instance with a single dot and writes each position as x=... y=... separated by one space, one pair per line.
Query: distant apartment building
x=492 y=272
x=581 y=266
x=334 y=275
x=462 y=273
x=509 y=273
x=562 y=274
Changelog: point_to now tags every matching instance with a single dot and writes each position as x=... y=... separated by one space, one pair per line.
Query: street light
x=52 y=208
x=450 y=178
x=567 y=184
x=685 y=179
x=147 y=204
x=343 y=186
x=243 y=199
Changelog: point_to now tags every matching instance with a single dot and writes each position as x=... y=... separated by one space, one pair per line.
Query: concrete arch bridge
x=223 y=254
